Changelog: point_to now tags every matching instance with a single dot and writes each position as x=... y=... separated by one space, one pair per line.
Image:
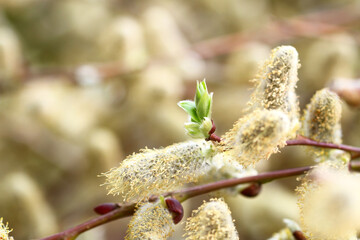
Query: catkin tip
x=211 y=221
x=151 y=221
x=321 y=121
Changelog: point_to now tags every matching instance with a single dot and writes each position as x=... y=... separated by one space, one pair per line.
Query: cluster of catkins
x=327 y=203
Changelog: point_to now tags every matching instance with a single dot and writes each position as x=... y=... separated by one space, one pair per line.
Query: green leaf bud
x=206 y=126
x=193 y=130
x=190 y=108
x=203 y=107
x=151 y=221
x=201 y=89
x=155 y=171
x=212 y=220
x=199 y=111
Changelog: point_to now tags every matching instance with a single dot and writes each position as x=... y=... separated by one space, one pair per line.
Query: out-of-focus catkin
x=211 y=221
x=321 y=121
x=4 y=231
x=276 y=83
x=256 y=136
x=329 y=202
x=154 y=171
x=152 y=221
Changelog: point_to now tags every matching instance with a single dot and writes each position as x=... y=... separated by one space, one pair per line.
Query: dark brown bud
x=176 y=209
x=298 y=235
x=252 y=191
x=105 y=208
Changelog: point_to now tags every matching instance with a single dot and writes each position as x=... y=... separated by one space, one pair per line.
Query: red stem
x=301 y=140
x=72 y=233
x=128 y=209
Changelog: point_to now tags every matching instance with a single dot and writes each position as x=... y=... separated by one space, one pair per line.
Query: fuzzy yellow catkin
x=211 y=221
x=321 y=121
x=256 y=136
x=224 y=166
x=155 y=171
x=151 y=221
x=329 y=202
x=4 y=231
x=276 y=83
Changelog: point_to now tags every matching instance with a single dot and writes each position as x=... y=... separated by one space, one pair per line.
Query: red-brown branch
x=301 y=140
x=128 y=209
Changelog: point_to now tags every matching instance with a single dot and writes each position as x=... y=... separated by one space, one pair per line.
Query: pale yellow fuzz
x=256 y=136
x=155 y=171
x=151 y=221
x=283 y=234
x=276 y=83
x=4 y=231
x=321 y=121
x=329 y=202
x=224 y=166
x=211 y=221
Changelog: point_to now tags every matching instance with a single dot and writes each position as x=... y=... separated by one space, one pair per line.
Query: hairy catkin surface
x=275 y=85
x=328 y=202
x=154 y=171
x=211 y=221
x=256 y=136
x=321 y=122
x=224 y=166
x=151 y=221
x=4 y=231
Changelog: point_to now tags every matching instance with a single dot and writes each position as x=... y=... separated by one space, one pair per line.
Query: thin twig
x=124 y=211
x=128 y=209
x=301 y=140
x=184 y=194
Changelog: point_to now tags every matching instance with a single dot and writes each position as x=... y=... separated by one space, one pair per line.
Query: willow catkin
x=276 y=83
x=328 y=202
x=151 y=221
x=4 y=231
x=224 y=166
x=321 y=121
x=256 y=136
x=154 y=171
x=211 y=221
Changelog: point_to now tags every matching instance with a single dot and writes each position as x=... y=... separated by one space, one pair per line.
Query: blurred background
x=84 y=83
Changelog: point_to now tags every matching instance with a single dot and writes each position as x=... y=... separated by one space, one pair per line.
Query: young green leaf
x=190 y=108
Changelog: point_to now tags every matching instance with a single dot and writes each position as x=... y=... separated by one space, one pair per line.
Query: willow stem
x=126 y=210
x=301 y=140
